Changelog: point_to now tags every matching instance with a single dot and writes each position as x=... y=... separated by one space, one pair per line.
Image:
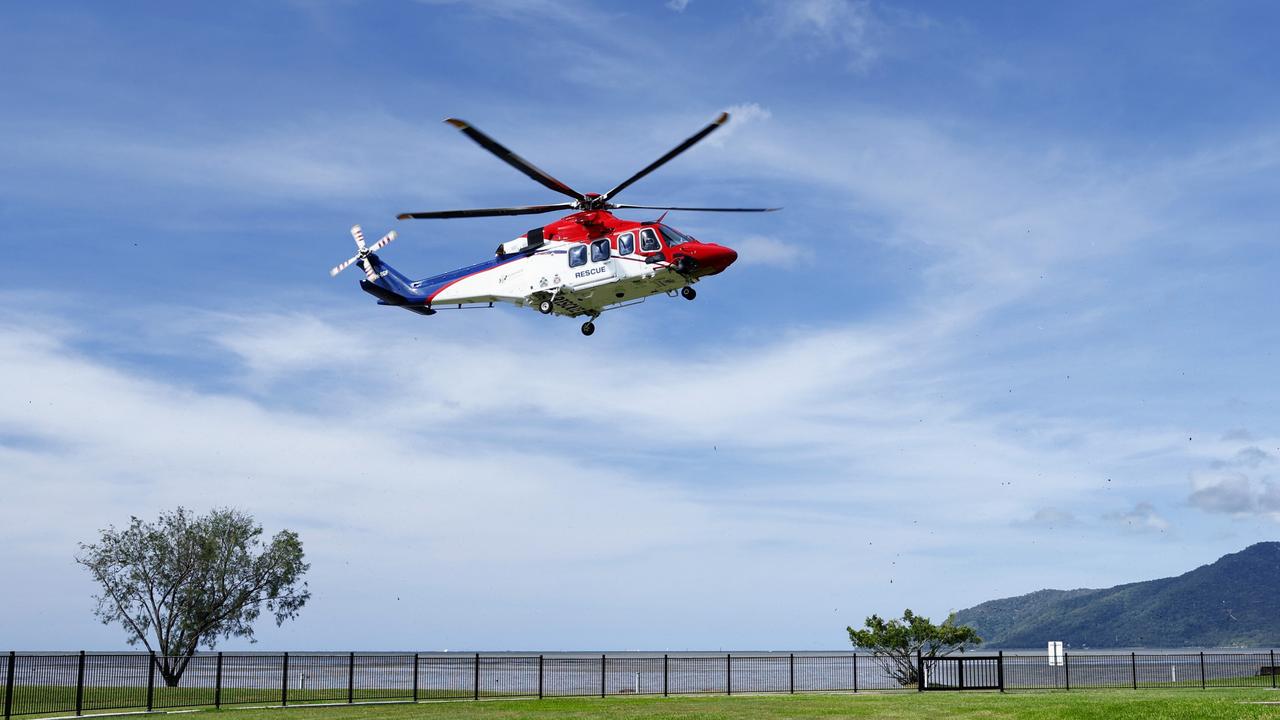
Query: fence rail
x=79 y=683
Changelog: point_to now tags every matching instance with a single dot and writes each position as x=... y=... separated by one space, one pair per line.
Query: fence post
x=793 y=673
x=8 y=686
x=284 y=681
x=728 y=673
x=80 y=686
x=351 y=678
x=151 y=680
x=1000 y=670
x=217 y=684
x=477 y=685
x=664 y=675
x=919 y=672
x=1066 y=667
x=415 y=677
x=1202 y=670
x=602 y=678
x=1133 y=663
x=1273 y=671
x=855 y=672
x=539 y=677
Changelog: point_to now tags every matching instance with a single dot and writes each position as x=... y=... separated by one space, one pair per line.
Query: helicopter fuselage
x=583 y=264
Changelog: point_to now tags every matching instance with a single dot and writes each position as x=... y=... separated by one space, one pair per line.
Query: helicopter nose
x=720 y=257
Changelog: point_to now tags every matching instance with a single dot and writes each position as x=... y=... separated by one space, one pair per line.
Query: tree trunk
x=170 y=678
x=172 y=668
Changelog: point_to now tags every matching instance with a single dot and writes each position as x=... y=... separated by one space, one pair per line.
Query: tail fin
x=381 y=280
x=391 y=287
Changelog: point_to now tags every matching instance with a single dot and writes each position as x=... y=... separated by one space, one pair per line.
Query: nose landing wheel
x=545 y=307
x=688 y=293
x=588 y=328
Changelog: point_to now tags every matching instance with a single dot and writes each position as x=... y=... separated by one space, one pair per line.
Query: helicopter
x=583 y=264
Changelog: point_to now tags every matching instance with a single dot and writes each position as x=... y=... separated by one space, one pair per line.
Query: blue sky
x=1015 y=328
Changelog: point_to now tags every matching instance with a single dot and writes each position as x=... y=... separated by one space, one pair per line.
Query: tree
x=896 y=642
x=185 y=580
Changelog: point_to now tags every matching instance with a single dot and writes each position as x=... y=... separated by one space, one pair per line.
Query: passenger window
x=600 y=250
x=649 y=241
x=577 y=255
x=626 y=244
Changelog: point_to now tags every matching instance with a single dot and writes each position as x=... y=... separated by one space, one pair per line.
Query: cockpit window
x=626 y=243
x=600 y=250
x=649 y=241
x=674 y=237
x=577 y=255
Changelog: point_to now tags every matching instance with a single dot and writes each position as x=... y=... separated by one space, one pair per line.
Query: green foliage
x=1232 y=602
x=897 y=642
x=184 y=581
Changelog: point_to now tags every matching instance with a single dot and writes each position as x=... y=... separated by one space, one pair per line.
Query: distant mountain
x=1234 y=601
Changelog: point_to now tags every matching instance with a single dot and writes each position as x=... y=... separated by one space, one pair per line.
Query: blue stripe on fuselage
x=431 y=285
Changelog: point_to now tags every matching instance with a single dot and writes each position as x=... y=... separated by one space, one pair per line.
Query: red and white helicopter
x=582 y=264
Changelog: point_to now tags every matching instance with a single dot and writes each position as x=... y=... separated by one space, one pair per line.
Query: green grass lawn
x=1103 y=705
x=1085 y=704
x=43 y=700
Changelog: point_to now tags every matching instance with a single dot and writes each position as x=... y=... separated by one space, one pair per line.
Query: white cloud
x=740 y=116
x=1240 y=485
x=539 y=11
x=451 y=457
x=1142 y=518
x=319 y=158
x=849 y=26
x=761 y=250
x=677 y=5
x=1051 y=518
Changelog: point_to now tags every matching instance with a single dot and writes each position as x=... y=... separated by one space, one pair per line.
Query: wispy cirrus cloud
x=849 y=27
x=761 y=250
x=370 y=437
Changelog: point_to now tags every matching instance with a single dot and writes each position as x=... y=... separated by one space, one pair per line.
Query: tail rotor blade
x=385 y=241
x=362 y=256
x=343 y=266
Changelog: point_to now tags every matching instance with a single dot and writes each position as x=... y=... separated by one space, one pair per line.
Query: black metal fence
x=51 y=683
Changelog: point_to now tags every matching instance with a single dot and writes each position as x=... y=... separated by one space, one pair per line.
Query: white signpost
x=1055 y=652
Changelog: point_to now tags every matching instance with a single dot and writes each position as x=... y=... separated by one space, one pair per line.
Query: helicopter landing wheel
x=588 y=328
x=545 y=307
x=688 y=293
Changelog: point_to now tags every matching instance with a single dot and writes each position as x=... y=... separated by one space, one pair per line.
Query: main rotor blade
x=486 y=212
x=689 y=209
x=515 y=160
x=724 y=117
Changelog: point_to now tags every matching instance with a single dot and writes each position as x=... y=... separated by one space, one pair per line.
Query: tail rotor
x=363 y=253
